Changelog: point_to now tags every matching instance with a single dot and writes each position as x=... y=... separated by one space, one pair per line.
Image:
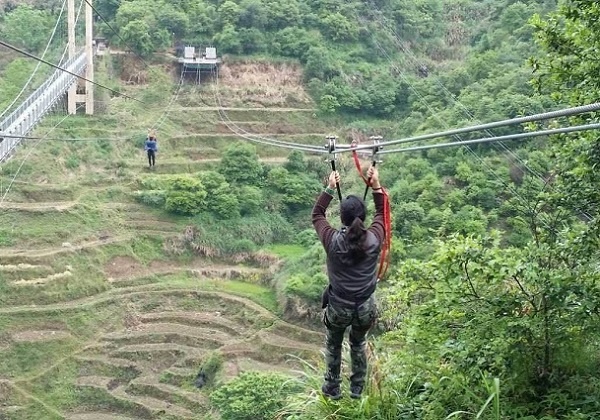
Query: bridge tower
x=80 y=92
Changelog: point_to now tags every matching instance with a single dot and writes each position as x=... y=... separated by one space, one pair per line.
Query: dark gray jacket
x=350 y=283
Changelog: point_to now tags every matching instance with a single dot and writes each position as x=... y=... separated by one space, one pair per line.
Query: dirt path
x=133 y=291
x=44 y=335
x=39 y=206
x=40 y=281
x=46 y=252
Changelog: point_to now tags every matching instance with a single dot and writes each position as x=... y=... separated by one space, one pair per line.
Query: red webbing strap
x=386 y=247
x=357 y=164
x=384 y=262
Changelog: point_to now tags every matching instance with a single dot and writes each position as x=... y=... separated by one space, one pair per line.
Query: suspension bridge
x=75 y=65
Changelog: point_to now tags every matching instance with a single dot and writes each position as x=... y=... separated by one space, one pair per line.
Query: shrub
x=185 y=195
x=253 y=396
x=151 y=197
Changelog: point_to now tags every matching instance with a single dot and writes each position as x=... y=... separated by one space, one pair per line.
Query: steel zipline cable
x=567 y=112
x=298 y=146
x=563 y=130
x=255 y=138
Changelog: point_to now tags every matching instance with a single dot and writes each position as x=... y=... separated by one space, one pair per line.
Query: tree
x=240 y=164
x=174 y=21
x=295 y=42
x=137 y=36
x=250 y=199
x=140 y=29
x=568 y=69
x=228 y=40
x=295 y=162
x=107 y=8
x=229 y=13
x=337 y=27
x=252 y=14
x=222 y=202
x=252 y=40
x=27 y=28
x=282 y=13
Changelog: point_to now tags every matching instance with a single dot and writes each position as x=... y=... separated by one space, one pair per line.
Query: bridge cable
x=65 y=70
x=38 y=64
x=29 y=153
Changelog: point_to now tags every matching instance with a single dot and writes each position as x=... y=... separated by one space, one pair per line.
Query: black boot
x=331 y=391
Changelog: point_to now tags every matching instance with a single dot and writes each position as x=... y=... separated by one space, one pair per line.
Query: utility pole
x=89 y=53
x=72 y=94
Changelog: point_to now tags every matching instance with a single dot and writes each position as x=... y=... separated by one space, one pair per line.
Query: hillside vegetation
x=122 y=288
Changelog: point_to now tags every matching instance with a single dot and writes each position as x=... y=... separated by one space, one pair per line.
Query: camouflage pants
x=360 y=321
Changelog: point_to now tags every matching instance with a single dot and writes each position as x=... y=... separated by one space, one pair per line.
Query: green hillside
x=120 y=284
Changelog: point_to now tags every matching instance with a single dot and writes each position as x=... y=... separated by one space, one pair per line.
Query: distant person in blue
x=151 y=147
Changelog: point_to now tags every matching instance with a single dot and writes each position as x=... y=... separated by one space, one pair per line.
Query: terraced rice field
x=96 y=321
x=142 y=364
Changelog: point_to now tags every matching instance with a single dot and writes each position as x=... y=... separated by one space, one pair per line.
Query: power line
x=116 y=32
x=449 y=94
x=39 y=62
x=7 y=45
x=29 y=153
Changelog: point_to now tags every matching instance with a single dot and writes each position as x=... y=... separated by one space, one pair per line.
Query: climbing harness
x=384 y=261
x=332 y=158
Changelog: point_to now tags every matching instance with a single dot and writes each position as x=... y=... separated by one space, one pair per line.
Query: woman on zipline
x=349 y=301
x=151 y=147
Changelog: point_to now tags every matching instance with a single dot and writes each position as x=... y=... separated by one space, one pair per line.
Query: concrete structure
x=23 y=119
x=197 y=60
x=80 y=61
x=81 y=92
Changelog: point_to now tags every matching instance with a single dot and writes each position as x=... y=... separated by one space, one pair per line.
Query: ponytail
x=356 y=236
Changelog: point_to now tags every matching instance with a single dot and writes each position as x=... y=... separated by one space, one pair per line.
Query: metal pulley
x=332 y=158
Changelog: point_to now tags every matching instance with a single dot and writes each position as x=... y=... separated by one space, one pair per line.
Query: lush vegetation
x=491 y=308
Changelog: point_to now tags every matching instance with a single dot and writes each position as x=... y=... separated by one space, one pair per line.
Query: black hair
x=353 y=212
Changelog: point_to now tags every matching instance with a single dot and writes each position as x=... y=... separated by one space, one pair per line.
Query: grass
x=260 y=294
x=287 y=251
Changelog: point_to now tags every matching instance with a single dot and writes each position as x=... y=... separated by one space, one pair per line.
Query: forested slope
x=490 y=309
